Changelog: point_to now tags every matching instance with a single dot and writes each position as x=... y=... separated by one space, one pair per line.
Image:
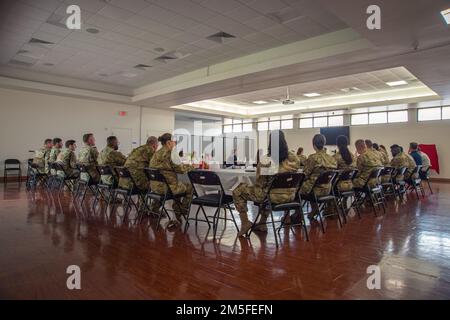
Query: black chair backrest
x=12 y=162
x=375 y=173
x=82 y=167
x=387 y=171
x=123 y=172
x=52 y=165
x=347 y=175
x=287 y=180
x=326 y=177
x=416 y=169
x=401 y=171
x=104 y=170
x=154 y=175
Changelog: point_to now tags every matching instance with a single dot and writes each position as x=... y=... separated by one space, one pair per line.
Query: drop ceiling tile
x=242 y=13
x=132 y=5
x=115 y=13
x=220 y=6
x=47 y=5
x=52 y=29
x=153 y=26
x=103 y=22
x=129 y=30
x=266 y=6
x=203 y=30
x=186 y=38
x=19 y=9
x=88 y=5
x=168 y=17
x=186 y=8
x=260 y=23
x=50 y=37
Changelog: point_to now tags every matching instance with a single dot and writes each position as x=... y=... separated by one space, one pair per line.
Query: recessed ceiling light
x=312 y=94
x=92 y=30
x=446 y=15
x=396 y=83
x=260 y=102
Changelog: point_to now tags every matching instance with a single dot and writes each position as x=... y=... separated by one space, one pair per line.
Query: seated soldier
x=278 y=160
x=167 y=161
x=366 y=162
x=109 y=156
x=139 y=159
x=301 y=157
x=369 y=145
x=88 y=156
x=317 y=163
x=56 y=149
x=383 y=153
x=400 y=159
x=345 y=160
x=42 y=155
x=68 y=160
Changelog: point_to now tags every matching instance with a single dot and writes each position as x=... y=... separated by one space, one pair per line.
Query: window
x=320 y=122
x=428 y=114
x=306 y=123
x=276 y=123
x=227 y=129
x=246 y=127
x=359 y=119
x=398 y=116
x=335 y=121
x=445 y=113
x=287 y=122
x=263 y=126
x=377 y=117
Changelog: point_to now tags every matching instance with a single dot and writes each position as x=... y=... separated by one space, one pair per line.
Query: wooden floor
x=40 y=236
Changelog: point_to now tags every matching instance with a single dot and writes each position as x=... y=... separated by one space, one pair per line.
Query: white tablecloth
x=230 y=178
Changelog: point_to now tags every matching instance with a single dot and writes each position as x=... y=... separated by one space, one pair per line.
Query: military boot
x=245 y=224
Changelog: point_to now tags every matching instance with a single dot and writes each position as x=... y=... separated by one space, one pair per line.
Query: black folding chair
x=65 y=180
x=343 y=197
x=34 y=177
x=373 y=193
x=154 y=175
x=215 y=197
x=12 y=166
x=325 y=178
x=399 y=182
x=388 y=185
x=287 y=180
x=84 y=185
x=415 y=183
x=52 y=177
x=127 y=193
x=425 y=176
x=104 y=191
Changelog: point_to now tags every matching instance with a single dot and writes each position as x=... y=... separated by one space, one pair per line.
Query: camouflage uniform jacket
x=366 y=162
x=68 y=160
x=342 y=165
x=88 y=156
x=302 y=159
x=316 y=164
x=403 y=160
x=52 y=156
x=162 y=160
x=113 y=158
x=138 y=159
x=41 y=159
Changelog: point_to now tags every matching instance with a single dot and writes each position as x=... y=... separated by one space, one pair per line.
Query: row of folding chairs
x=208 y=191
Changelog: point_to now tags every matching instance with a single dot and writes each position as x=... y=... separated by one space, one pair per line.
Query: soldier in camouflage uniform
x=109 y=156
x=383 y=154
x=68 y=160
x=369 y=146
x=401 y=159
x=88 y=156
x=42 y=155
x=56 y=149
x=284 y=161
x=301 y=157
x=139 y=159
x=366 y=162
x=344 y=164
x=163 y=160
x=316 y=164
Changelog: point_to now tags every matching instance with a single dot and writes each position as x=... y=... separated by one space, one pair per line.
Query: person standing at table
x=163 y=160
x=275 y=162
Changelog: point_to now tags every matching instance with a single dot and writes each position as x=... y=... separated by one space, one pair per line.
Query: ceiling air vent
x=141 y=66
x=172 y=55
x=21 y=63
x=39 y=41
x=220 y=37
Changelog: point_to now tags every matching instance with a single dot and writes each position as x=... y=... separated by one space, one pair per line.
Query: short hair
x=360 y=143
x=48 y=140
x=383 y=147
x=110 y=140
x=376 y=146
x=86 y=137
x=57 y=140
x=319 y=141
x=300 y=150
x=368 y=143
x=69 y=143
x=152 y=140
x=164 y=138
x=414 y=145
x=396 y=147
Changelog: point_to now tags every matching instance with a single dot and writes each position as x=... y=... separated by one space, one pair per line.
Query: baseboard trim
x=13 y=179
x=441 y=180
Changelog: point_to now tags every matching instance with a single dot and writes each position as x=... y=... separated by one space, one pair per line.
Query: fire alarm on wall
x=122 y=113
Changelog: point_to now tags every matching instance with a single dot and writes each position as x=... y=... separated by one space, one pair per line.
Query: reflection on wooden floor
x=41 y=235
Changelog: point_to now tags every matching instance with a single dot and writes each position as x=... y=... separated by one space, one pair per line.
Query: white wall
x=27 y=118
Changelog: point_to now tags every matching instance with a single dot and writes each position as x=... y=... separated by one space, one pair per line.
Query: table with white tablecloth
x=230 y=178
